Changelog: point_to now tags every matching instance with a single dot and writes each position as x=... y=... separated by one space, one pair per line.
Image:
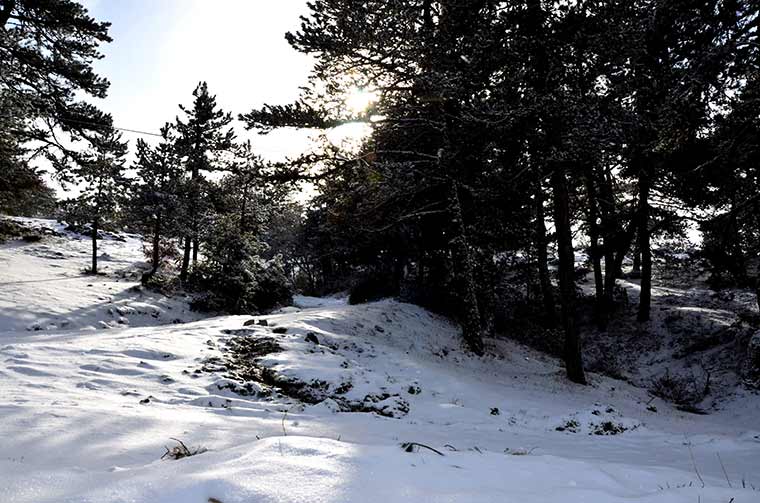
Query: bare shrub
x=683 y=390
x=607 y=428
x=607 y=364
x=180 y=450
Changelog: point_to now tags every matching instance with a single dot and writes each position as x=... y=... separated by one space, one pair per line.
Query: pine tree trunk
x=572 y=349
x=610 y=233
x=734 y=248
x=535 y=24
x=645 y=298
x=243 y=209
x=421 y=272
x=185 y=261
x=156 y=244
x=463 y=261
x=542 y=261
x=757 y=265
x=609 y=278
x=636 y=270
x=399 y=267
x=623 y=245
x=594 y=249
x=601 y=309
x=95 y=246
x=465 y=269
x=194 y=211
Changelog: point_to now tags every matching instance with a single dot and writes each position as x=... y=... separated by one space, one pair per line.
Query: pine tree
x=424 y=153
x=155 y=204
x=722 y=174
x=234 y=274
x=47 y=49
x=46 y=53
x=202 y=136
x=673 y=68
x=490 y=115
x=22 y=189
x=100 y=173
x=245 y=184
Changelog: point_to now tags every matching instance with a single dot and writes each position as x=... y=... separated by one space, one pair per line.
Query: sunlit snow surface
x=73 y=428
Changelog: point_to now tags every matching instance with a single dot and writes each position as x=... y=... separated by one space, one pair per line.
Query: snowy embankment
x=85 y=415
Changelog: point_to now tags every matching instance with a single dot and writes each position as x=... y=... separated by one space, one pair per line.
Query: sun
x=359 y=100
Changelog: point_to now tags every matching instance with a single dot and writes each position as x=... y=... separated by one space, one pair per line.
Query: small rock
x=330 y=405
x=379 y=329
x=280 y=330
x=312 y=337
x=250 y=322
x=495 y=411
x=263 y=323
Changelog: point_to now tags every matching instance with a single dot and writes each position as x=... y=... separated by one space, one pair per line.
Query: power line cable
x=115 y=127
x=91 y=123
x=137 y=131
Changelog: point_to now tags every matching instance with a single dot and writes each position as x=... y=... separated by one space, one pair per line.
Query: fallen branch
x=520 y=451
x=694 y=462
x=409 y=447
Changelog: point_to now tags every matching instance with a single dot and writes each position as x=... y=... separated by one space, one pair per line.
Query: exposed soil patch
x=242 y=363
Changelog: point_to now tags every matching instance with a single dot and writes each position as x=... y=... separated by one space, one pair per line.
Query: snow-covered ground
x=85 y=414
x=695 y=334
x=44 y=287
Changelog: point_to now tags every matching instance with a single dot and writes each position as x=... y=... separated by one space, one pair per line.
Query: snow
x=85 y=411
x=45 y=289
x=303 y=302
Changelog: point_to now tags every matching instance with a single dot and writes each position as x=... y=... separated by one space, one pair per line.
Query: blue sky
x=163 y=48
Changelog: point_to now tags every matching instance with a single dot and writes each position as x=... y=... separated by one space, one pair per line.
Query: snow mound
x=358 y=357
x=87 y=417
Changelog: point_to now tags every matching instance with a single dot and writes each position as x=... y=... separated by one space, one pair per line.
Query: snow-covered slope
x=85 y=416
x=44 y=287
x=696 y=336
